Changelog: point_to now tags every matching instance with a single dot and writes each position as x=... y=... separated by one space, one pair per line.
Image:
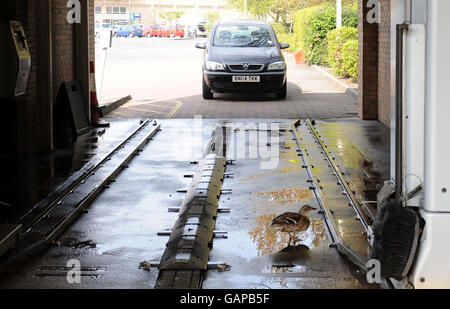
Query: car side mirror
x=201 y=45
x=284 y=45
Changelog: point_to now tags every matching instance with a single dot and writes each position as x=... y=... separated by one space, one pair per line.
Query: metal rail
x=332 y=228
x=45 y=205
x=64 y=211
x=362 y=215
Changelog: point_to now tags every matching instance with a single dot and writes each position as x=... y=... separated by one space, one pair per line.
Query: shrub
x=350 y=16
x=321 y=20
x=279 y=28
x=311 y=26
x=300 y=21
x=289 y=38
x=336 y=40
x=350 y=58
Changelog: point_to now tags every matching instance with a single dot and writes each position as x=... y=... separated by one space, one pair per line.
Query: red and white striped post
x=95 y=108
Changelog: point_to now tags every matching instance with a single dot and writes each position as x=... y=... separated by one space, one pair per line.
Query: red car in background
x=147 y=30
x=151 y=30
x=164 y=31
x=178 y=30
x=156 y=31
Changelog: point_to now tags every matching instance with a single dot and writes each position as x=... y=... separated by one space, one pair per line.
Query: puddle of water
x=283 y=269
x=293 y=166
x=364 y=179
x=287 y=196
x=78 y=244
x=268 y=241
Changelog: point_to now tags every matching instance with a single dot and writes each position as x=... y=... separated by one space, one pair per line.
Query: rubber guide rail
x=185 y=259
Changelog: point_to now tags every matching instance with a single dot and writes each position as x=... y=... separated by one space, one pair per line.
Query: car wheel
x=207 y=93
x=282 y=93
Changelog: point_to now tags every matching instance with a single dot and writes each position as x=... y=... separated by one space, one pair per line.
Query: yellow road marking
x=162 y=106
x=132 y=106
x=175 y=109
x=140 y=102
x=116 y=112
x=144 y=110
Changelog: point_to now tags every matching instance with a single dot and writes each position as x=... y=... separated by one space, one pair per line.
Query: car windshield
x=257 y=35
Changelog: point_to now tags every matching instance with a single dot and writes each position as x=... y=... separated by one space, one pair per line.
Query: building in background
x=148 y=11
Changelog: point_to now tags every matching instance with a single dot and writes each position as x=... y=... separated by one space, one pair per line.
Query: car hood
x=229 y=55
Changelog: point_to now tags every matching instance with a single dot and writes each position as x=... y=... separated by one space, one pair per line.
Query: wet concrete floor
x=120 y=229
x=37 y=176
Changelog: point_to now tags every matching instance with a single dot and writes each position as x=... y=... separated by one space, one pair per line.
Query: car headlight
x=214 y=66
x=276 y=66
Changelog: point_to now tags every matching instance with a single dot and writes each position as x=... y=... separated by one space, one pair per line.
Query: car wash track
x=189 y=204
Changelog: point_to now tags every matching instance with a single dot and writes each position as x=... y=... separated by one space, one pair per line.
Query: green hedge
x=350 y=58
x=289 y=38
x=311 y=26
x=279 y=28
x=350 y=16
x=337 y=38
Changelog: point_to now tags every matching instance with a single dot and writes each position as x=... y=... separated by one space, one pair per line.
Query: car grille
x=250 y=68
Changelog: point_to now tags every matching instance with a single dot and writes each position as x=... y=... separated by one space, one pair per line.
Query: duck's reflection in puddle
x=268 y=241
x=286 y=259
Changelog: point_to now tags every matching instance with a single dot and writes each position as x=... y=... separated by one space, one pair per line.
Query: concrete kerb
x=354 y=93
x=108 y=105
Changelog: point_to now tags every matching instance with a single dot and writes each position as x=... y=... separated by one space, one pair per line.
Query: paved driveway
x=164 y=78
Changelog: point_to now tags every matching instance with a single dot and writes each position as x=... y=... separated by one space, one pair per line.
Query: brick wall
x=19 y=121
x=63 y=45
x=384 y=68
x=368 y=64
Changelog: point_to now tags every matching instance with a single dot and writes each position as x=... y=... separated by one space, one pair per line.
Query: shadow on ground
x=298 y=104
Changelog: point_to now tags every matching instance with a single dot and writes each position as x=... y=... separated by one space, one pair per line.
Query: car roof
x=242 y=22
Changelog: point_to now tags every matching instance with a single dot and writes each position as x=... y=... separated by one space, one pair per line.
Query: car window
x=243 y=36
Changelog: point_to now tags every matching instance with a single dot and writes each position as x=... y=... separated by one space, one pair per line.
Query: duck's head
x=305 y=209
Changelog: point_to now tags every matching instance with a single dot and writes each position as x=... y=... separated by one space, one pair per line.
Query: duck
x=292 y=223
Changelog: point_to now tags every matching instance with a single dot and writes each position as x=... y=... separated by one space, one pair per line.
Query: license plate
x=246 y=79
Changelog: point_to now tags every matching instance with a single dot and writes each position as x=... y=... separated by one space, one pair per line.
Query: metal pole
x=245 y=8
x=129 y=11
x=399 y=162
x=338 y=13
